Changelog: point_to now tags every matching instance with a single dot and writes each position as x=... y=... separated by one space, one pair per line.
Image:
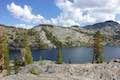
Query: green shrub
x=16 y=65
x=34 y=71
x=8 y=70
x=41 y=61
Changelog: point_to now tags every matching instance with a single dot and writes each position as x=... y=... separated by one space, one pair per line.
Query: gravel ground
x=48 y=70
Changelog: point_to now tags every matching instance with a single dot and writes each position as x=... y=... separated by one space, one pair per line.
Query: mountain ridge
x=100 y=25
x=51 y=36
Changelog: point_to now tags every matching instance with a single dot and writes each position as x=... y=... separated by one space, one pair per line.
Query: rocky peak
x=44 y=25
x=107 y=24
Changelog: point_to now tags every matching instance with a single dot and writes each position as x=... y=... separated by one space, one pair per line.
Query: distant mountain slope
x=49 y=36
x=65 y=36
x=110 y=29
x=111 y=24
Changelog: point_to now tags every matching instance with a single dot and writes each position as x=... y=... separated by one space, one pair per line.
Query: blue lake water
x=73 y=55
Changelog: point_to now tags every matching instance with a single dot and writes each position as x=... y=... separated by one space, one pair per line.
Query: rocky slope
x=50 y=71
x=48 y=36
x=110 y=29
x=67 y=37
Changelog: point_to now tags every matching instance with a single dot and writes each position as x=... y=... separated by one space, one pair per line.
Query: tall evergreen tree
x=59 y=56
x=98 y=48
x=1 y=48
x=4 y=51
x=26 y=50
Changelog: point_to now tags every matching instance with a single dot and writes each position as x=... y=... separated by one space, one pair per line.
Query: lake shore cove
x=48 y=70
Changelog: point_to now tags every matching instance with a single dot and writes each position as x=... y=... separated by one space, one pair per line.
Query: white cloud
x=73 y=12
x=87 y=11
x=24 y=13
x=23 y=26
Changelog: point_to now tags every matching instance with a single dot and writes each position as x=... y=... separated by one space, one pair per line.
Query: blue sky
x=27 y=13
x=46 y=8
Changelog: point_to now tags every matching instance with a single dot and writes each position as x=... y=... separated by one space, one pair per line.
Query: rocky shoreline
x=48 y=70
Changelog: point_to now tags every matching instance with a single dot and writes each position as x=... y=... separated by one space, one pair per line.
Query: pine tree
x=26 y=50
x=4 y=51
x=1 y=49
x=27 y=55
x=6 y=55
x=98 y=48
x=59 y=56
